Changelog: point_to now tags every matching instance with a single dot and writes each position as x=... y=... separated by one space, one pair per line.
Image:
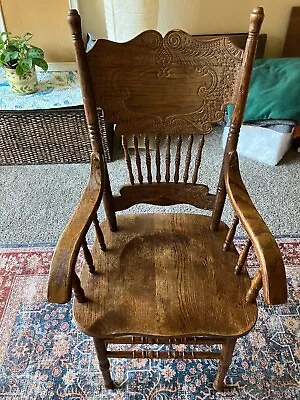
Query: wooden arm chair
x=165 y=278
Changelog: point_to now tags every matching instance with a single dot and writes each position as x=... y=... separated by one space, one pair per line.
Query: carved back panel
x=167 y=85
x=161 y=88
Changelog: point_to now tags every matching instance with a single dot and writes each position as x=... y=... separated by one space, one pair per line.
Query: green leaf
x=19 y=70
x=35 y=52
x=11 y=48
x=14 y=42
x=2 y=59
x=10 y=56
x=17 y=53
x=14 y=55
x=26 y=64
x=5 y=34
x=27 y=36
x=40 y=62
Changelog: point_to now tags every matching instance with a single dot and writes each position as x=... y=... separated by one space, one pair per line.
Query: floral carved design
x=172 y=84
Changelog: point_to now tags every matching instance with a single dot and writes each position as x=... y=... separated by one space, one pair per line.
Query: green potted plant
x=19 y=58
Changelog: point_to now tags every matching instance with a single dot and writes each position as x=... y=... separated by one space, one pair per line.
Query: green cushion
x=274 y=90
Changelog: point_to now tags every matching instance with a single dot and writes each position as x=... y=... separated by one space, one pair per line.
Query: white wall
x=202 y=16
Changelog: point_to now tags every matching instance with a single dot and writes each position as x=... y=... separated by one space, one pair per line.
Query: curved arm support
x=267 y=251
x=67 y=249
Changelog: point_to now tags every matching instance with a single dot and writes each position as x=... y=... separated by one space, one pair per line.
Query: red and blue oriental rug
x=44 y=356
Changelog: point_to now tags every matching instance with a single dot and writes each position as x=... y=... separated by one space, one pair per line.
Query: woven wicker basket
x=47 y=136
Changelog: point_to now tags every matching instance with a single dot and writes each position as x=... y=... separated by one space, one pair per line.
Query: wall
x=93 y=17
x=227 y=16
x=125 y=20
x=213 y=16
x=46 y=20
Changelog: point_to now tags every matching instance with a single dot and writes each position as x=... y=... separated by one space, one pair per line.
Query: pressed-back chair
x=165 y=278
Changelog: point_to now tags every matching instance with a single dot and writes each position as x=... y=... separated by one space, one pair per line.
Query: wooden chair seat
x=165 y=275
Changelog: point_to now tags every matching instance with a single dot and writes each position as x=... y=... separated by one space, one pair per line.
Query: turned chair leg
x=103 y=362
x=226 y=356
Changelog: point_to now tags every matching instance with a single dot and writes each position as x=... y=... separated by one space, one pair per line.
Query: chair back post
x=89 y=103
x=90 y=108
x=256 y=20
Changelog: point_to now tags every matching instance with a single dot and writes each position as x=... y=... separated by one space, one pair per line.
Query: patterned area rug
x=44 y=356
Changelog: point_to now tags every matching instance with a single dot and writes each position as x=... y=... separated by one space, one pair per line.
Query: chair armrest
x=268 y=254
x=65 y=255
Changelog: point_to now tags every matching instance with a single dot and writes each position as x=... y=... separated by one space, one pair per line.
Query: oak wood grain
x=165 y=194
x=65 y=255
x=256 y=20
x=176 y=84
x=183 y=265
x=165 y=278
x=266 y=249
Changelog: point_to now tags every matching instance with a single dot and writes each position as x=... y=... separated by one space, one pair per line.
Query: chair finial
x=256 y=19
x=74 y=21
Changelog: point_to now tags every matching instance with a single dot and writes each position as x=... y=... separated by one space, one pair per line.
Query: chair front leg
x=226 y=356
x=103 y=362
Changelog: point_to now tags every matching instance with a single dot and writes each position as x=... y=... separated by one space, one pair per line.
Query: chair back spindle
x=177 y=158
x=88 y=256
x=77 y=288
x=127 y=159
x=188 y=159
x=148 y=159
x=168 y=158
x=138 y=159
x=157 y=158
x=99 y=234
x=198 y=160
x=150 y=171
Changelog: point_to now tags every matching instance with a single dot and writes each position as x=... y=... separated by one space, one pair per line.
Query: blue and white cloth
x=56 y=89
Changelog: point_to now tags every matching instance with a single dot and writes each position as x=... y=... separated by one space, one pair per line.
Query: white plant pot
x=25 y=84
